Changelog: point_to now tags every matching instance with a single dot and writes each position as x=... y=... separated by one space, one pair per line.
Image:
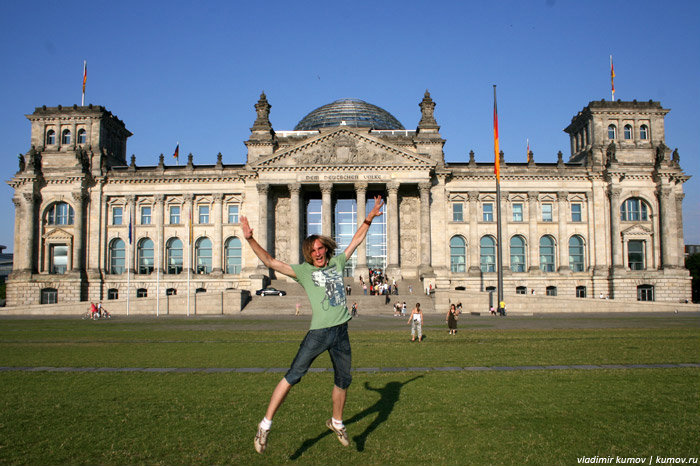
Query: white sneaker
x=342 y=435
x=260 y=441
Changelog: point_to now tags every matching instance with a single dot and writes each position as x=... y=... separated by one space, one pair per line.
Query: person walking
x=416 y=321
x=451 y=320
x=321 y=276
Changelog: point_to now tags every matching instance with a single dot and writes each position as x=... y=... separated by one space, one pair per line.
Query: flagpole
x=189 y=258
x=128 y=267
x=497 y=155
x=158 y=276
x=82 y=101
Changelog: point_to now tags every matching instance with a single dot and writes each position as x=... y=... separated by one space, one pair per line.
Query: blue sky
x=192 y=71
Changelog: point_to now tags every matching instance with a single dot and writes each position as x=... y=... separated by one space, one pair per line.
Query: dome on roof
x=350 y=112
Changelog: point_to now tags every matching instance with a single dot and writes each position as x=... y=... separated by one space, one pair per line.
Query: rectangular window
x=457 y=212
x=174 y=214
x=576 y=212
x=117 y=213
x=145 y=215
x=546 y=212
x=233 y=214
x=203 y=214
x=635 y=254
x=59 y=259
x=49 y=296
x=488 y=212
x=517 y=212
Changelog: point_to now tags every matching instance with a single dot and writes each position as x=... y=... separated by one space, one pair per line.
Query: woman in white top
x=416 y=321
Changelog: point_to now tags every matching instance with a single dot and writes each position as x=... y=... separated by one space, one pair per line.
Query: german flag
x=176 y=154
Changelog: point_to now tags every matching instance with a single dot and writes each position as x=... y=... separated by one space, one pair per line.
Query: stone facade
x=91 y=225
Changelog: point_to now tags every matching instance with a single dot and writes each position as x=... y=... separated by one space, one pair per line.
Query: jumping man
x=322 y=278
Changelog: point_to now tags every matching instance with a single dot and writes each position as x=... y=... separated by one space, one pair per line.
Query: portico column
x=425 y=259
x=615 y=240
x=30 y=217
x=294 y=241
x=160 y=225
x=474 y=247
x=393 y=225
x=217 y=221
x=78 y=198
x=261 y=232
x=533 y=241
x=361 y=254
x=679 y=230
x=131 y=203
x=326 y=212
x=562 y=198
x=17 y=264
x=667 y=207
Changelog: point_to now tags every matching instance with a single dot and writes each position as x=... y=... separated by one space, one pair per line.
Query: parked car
x=270 y=291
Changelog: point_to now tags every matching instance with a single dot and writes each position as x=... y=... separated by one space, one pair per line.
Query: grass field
x=392 y=415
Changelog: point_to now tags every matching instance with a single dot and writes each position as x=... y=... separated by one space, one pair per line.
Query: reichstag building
x=606 y=221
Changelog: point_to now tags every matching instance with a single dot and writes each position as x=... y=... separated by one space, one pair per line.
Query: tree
x=692 y=263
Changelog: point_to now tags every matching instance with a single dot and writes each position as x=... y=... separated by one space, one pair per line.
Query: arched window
x=645 y=293
x=82 y=136
x=145 y=255
x=458 y=254
x=612 y=132
x=50 y=137
x=117 y=256
x=517 y=254
x=202 y=252
x=59 y=213
x=173 y=256
x=628 y=132
x=487 y=247
x=576 y=253
x=634 y=209
x=65 y=136
x=644 y=132
x=547 y=254
x=233 y=255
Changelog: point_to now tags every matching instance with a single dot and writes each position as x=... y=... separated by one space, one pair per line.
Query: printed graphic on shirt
x=332 y=281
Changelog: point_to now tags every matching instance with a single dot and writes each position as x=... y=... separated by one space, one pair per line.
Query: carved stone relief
x=409 y=211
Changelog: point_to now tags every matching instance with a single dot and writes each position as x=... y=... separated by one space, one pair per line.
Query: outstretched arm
x=362 y=230
x=263 y=255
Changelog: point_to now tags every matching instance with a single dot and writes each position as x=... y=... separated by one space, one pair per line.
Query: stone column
x=679 y=229
x=295 y=230
x=159 y=215
x=218 y=242
x=361 y=196
x=261 y=231
x=425 y=259
x=79 y=200
x=533 y=240
x=30 y=231
x=18 y=262
x=562 y=198
x=667 y=207
x=189 y=234
x=474 y=246
x=326 y=209
x=615 y=239
x=393 y=226
x=130 y=222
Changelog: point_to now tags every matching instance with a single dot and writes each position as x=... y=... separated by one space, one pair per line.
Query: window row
x=627 y=132
x=175 y=214
x=145 y=262
x=66 y=137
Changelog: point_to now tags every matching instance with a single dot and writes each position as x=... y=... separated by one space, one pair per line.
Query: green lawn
x=437 y=417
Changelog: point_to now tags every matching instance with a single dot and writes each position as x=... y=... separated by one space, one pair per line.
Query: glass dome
x=351 y=112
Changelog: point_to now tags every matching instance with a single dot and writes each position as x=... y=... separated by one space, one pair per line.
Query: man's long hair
x=307 y=247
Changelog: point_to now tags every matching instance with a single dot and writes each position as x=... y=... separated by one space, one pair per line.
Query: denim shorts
x=335 y=340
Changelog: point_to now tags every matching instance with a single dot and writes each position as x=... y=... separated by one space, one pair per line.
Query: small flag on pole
x=82 y=102
x=612 y=78
x=528 y=151
x=176 y=154
x=497 y=163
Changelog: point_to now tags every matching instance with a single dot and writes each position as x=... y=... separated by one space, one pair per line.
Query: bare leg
x=338 y=397
x=277 y=398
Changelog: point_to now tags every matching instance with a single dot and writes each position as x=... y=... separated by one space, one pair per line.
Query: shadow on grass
x=388 y=396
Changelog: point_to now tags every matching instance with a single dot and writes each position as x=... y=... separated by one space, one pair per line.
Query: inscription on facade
x=343 y=177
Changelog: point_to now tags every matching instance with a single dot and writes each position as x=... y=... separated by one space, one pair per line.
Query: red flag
x=176 y=154
x=84 y=75
x=497 y=163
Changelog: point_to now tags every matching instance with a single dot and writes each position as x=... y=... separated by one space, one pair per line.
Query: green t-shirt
x=326 y=292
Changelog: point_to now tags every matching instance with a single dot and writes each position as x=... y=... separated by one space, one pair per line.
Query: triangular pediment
x=58 y=234
x=637 y=230
x=344 y=147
